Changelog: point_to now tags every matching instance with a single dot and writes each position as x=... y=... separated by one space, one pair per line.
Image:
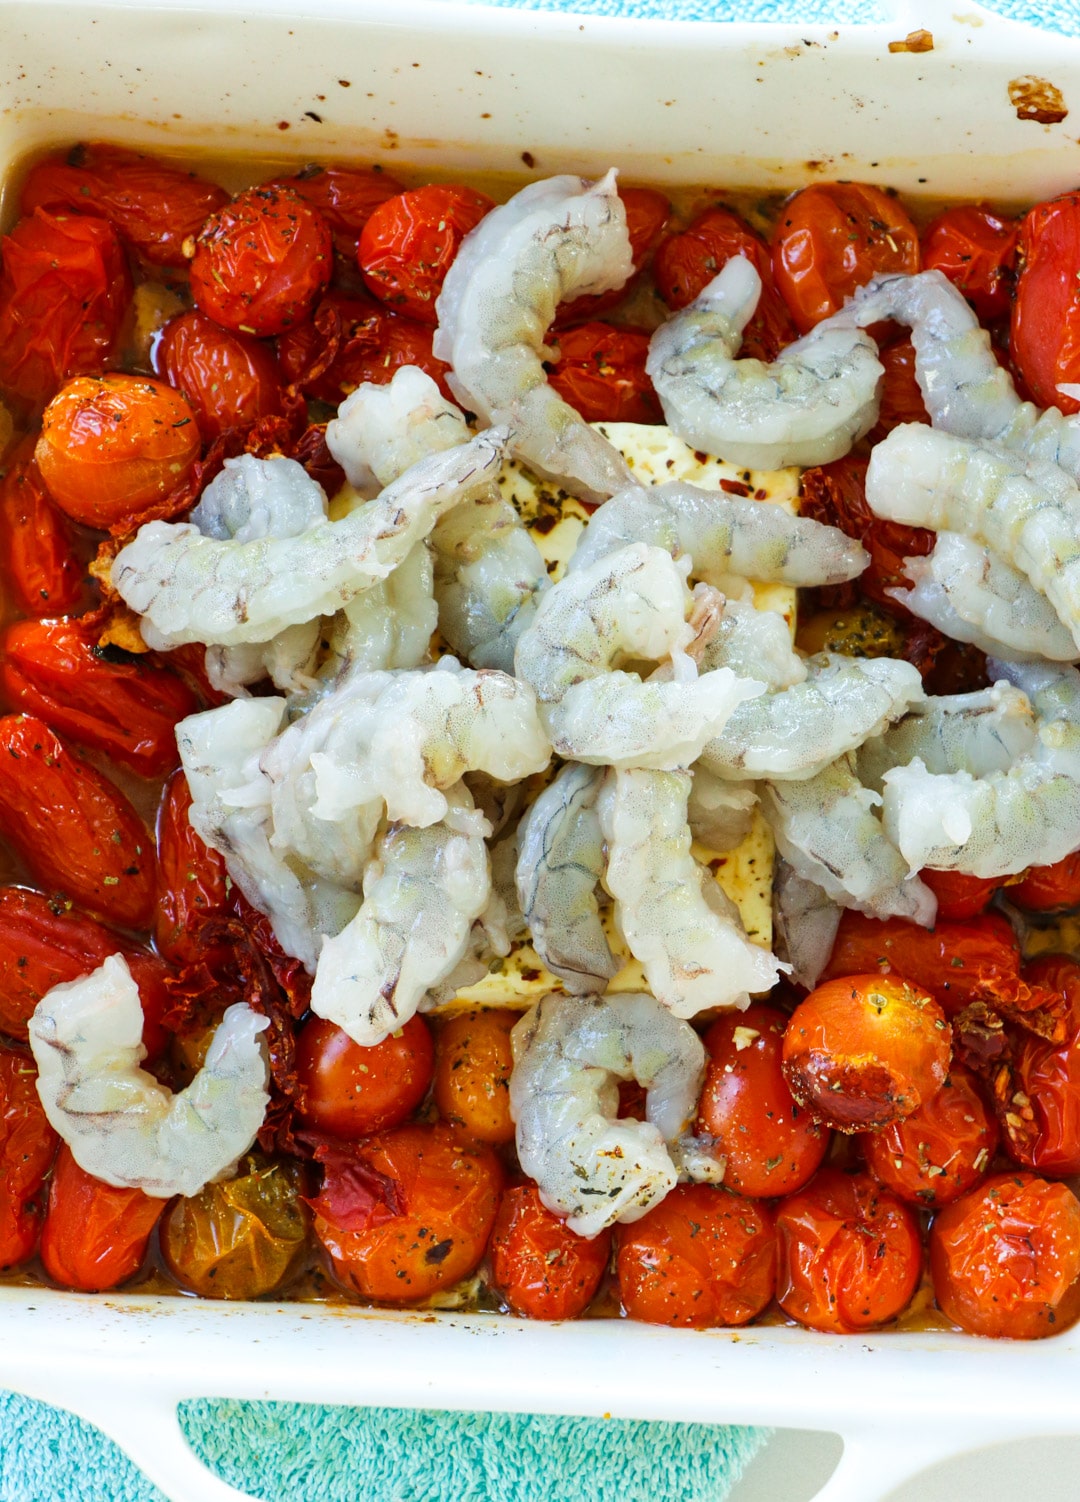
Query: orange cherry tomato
x=901 y=399
x=701 y=1257
x=113 y=445
x=64 y=291
x=351 y=1090
x=686 y=263
x=959 y=895
x=1041 y=1109
x=473 y=1064
x=834 y=237
x=407 y=1212
x=601 y=373
x=154 y=207
x=975 y=247
x=193 y=882
x=94 y=1236
x=849 y=1254
x=771 y=1144
x=866 y=1050
x=228 y=380
x=647 y=213
x=41 y=565
x=539 y=1266
x=1044 y=340
x=1005 y=1259
x=941 y=1150
x=409 y=244
x=27 y=1147
x=74 y=830
x=1050 y=889
x=261 y=261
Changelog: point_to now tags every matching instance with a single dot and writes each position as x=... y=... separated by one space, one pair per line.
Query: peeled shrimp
x=805 y=921
x=288 y=660
x=558 y=239
x=808 y=407
x=754 y=644
x=387 y=626
x=981 y=732
x=121 y=1125
x=671 y=914
x=720 y=813
x=569 y=1054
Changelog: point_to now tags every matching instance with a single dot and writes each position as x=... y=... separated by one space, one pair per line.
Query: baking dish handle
x=876 y=1461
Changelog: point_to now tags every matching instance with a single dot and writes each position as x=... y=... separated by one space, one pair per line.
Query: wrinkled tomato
x=94 y=1236
x=409 y=243
x=352 y=1090
x=1040 y=1107
x=647 y=213
x=351 y=340
x=346 y=197
x=1049 y=889
x=473 y=1064
x=959 y=895
x=27 y=1147
x=901 y=399
x=539 y=1266
x=228 y=380
x=193 y=886
x=1044 y=340
x=941 y=1150
x=41 y=565
x=975 y=247
x=600 y=372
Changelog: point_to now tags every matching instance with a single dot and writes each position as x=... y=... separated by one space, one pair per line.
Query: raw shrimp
x=121 y=1125
x=754 y=644
x=632 y=604
x=569 y=1054
x=720 y=813
x=1028 y=511
x=981 y=732
x=387 y=626
x=423 y=890
x=382 y=431
x=805 y=920
x=559 y=866
x=190 y=587
x=969 y=593
x=288 y=660
x=670 y=912
x=558 y=239
x=809 y=406
x=724 y=535
x=826 y=828
x=1008 y=819
x=797 y=732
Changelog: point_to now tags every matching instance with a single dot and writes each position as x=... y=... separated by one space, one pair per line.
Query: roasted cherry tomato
x=193 y=882
x=64 y=290
x=94 y=1236
x=701 y=1257
x=76 y=832
x=155 y=207
x=473 y=1064
x=976 y=249
x=228 y=380
x=834 y=237
x=27 y=1147
x=686 y=263
x=647 y=213
x=346 y=197
x=407 y=1212
x=771 y=1144
x=960 y=896
x=866 y=1050
x=409 y=243
x=601 y=373
x=849 y=1254
x=541 y=1268
x=941 y=1150
x=351 y=1090
x=368 y=344
x=1005 y=1259
x=112 y=446
x=1044 y=341
x=261 y=262
x=901 y=399
x=101 y=698
x=41 y=566
x=241 y=1239
x=1040 y=1110
x=1049 y=889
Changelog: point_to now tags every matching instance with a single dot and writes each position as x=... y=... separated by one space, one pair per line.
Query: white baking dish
x=464 y=87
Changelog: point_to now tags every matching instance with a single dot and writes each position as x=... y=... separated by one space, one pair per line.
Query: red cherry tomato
x=351 y=340
x=961 y=896
x=601 y=373
x=647 y=213
x=94 y=1236
x=154 y=207
x=261 y=262
x=699 y=1258
x=686 y=263
x=865 y=1050
x=772 y=1146
x=64 y=290
x=346 y=197
x=1050 y=889
x=849 y=1254
x=1044 y=340
x=111 y=446
x=228 y=380
x=834 y=237
x=540 y=1267
x=901 y=399
x=941 y=1150
x=1040 y=1110
x=976 y=249
x=409 y=243
x=193 y=883
x=352 y=1091
x=1005 y=1259
x=75 y=831
x=41 y=566
x=407 y=1212
x=27 y=1147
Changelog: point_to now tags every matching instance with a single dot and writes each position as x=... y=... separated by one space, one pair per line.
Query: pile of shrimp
x=461 y=751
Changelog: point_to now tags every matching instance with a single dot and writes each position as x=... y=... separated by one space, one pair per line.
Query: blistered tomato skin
x=901 y=399
x=1049 y=889
x=41 y=567
x=849 y=1254
x=94 y=1236
x=1005 y=1259
x=351 y=340
x=1040 y=1108
x=975 y=247
x=960 y=896
x=346 y=197
x=27 y=1147
x=541 y=1268
x=409 y=244
x=772 y=1146
x=261 y=262
x=193 y=882
x=351 y=1090
x=601 y=373
x=1044 y=338
x=941 y=1150
x=702 y=1257
x=473 y=1064
x=229 y=380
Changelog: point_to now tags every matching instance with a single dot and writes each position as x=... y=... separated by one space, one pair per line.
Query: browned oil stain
x=1037 y=99
x=915 y=41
